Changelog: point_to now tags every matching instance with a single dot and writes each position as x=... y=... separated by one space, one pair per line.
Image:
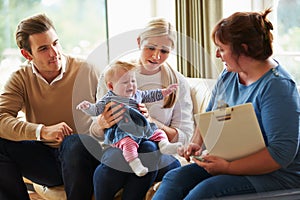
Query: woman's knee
x=148 y=146
x=149 y=155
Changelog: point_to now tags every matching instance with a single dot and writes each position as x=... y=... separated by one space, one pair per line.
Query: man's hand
x=55 y=133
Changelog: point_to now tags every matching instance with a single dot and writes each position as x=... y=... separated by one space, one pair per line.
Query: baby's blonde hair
x=115 y=67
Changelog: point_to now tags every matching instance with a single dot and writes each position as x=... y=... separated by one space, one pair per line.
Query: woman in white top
x=173 y=114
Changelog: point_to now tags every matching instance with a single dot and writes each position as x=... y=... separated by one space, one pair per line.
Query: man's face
x=46 y=52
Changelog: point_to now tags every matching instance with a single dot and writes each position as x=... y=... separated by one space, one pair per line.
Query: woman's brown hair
x=248 y=33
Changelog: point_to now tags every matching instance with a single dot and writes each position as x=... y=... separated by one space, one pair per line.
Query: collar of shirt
x=59 y=77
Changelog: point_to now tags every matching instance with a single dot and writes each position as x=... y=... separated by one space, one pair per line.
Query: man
x=44 y=148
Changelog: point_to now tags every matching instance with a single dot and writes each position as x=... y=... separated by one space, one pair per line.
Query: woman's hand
x=143 y=109
x=111 y=115
x=213 y=164
x=191 y=149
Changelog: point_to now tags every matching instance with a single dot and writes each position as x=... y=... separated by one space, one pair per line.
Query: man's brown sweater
x=45 y=103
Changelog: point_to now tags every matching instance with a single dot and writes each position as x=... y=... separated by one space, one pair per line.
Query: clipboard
x=232 y=132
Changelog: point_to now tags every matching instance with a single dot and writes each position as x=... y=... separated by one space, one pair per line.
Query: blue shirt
x=276 y=103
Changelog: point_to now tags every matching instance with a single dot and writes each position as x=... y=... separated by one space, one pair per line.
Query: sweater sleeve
x=11 y=102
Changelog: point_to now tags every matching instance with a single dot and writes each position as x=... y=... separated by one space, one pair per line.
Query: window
x=127 y=18
x=287 y=49
x=81 y=26
x=231 y=6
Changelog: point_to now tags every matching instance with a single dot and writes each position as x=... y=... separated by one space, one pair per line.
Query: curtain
x=195 y=20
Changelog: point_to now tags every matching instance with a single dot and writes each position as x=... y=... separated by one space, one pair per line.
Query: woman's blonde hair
x=158 y=27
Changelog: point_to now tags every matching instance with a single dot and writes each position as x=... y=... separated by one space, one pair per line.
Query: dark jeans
x=114 y=172
x=192 y=182
x=73 y=165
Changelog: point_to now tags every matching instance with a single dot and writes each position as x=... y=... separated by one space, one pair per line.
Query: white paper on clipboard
x=231 y=132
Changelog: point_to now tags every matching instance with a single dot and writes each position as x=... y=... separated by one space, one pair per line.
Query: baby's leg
x=164 y=145
x=129 y=148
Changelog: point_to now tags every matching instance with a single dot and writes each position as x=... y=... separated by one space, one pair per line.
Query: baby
x=126 y=135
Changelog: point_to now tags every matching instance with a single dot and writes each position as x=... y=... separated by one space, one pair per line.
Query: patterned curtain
x=195 y=20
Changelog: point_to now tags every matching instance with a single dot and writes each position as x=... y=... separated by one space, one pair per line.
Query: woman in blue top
x=244 y=44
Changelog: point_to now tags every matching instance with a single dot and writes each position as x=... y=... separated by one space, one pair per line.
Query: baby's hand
x=83 y=105
x=171 y=88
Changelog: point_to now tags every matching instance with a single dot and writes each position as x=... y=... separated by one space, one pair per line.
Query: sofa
x=200 y=93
